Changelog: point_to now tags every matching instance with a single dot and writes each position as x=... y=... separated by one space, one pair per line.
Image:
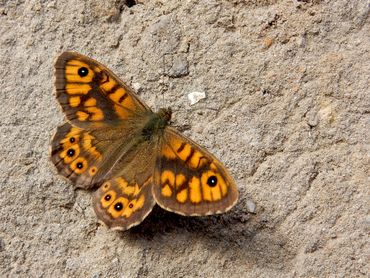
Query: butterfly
x=114 y=142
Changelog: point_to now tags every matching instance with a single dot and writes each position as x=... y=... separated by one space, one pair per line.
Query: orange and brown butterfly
x=114 y=142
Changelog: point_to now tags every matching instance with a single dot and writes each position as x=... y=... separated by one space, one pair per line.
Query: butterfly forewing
x=91 y=96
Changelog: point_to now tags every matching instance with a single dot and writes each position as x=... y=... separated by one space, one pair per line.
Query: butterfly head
x=165 y=114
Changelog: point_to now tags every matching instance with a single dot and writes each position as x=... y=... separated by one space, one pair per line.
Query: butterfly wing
x=125 y=200
x=122 y=171
x=105 y=120
x=91 y=95
x=121 y=204
x=189 y=180
x=87 y=157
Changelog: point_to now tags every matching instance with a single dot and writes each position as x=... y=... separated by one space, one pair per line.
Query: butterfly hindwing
x=121 y=203
x=78 y=155
x=92 y=96
x=189 y=180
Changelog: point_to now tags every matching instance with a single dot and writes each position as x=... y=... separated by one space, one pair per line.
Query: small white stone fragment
x=195 y=97
x=136 y=86
x=251 y=206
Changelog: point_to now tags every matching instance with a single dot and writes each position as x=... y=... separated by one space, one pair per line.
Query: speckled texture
x=287 y=110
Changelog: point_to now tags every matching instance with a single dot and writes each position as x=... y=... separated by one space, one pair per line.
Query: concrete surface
x=287 y=110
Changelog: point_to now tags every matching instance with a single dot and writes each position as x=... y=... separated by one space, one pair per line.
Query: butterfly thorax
x=157 y=123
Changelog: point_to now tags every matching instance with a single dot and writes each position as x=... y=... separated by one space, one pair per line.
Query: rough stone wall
x=287 y=110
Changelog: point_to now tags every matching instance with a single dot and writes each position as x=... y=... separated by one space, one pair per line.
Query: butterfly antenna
x=163 y=81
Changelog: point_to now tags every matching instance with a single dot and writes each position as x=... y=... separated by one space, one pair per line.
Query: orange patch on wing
x=122 y=98
x=166 y=191
x=206 y=190
x=88 y=146
x=195 y=193
x=180 y=180
x=108 y=198
x=96 y=114
x=74 y=134
x=74 y=101
x=122 y=183
x=90 y=102
x=118 y=94
x=184 y=151
x=222 y=185
x=113 y=211
x=168 y=177
x=213 y=166
x=132 y=190
x=79 y=165
x=182 y=195
x=82 y=116
x=108 y=86
x=105 y=186
x=69 y=158
x=197 y=160
x=133 y=206
x=129 y=103
x=211 y=193
x=77 y=89
x=92 y=171
x=71 y=71
x=168 y=152
x=140 y=202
